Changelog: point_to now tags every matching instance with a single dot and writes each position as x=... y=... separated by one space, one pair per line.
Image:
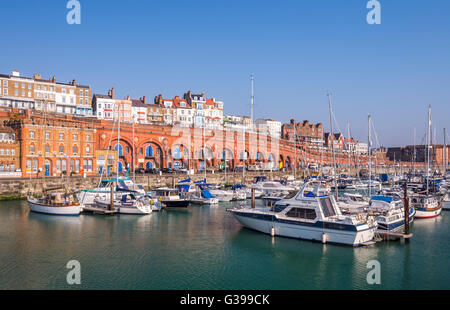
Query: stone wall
x=19 y=187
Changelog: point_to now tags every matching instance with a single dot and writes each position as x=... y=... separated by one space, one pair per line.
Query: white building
x=237 y=123
x=103 y=105
x=139 y=111
x=273 y=127
x=361 y=148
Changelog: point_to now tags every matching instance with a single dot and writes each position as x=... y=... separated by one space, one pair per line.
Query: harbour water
x=204 y=248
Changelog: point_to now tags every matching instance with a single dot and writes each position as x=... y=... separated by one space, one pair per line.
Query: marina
x=204 y=247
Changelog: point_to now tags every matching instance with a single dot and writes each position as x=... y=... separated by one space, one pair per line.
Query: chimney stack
x=74 y=82
x=54 y=79
x=112 y=93
x=37 y=77
x=143 y=99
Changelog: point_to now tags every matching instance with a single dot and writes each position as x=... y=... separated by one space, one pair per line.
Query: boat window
x=327 y=206
x=309 y=214
x=278 y=208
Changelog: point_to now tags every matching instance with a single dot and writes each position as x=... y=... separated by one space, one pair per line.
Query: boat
x=55 y=204
x=103 y=190
x=239 y=192
x=308 y=216
x=426 y=206
x=446 y=201
x=351 y=203
x=202 y=197
x=169 y=198
x=270 y=188
x=389 y=213
x=128 y=203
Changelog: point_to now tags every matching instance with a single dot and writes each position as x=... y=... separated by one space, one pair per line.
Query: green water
x=204 y=248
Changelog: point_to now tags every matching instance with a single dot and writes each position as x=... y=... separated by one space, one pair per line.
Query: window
x=32 y=148
x=85 y=168
x=61 y=136
x=61 y=149
x=75 y=137
x=75 y=149
x=58 y=165
x=88 y=138
x=302 y=213
x=63 y=165
x=77 y=166
x=149 y=151
x=47 y=135
x=47 y=148
x=90 y=165
x=327 y=206
x=88 y=151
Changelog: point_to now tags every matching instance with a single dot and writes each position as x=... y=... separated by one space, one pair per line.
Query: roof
x=138 y=103
x=103 y=96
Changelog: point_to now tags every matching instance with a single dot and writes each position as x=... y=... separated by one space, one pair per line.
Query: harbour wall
x=17 y=188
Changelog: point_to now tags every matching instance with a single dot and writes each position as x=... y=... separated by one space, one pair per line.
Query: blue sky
x=297 y=50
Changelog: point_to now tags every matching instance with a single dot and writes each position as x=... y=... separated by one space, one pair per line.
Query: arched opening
x=119 y=147
x=149 y=165
x=47 y=167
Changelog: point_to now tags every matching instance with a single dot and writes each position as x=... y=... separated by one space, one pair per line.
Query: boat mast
x=348 y=135
x=204 y=153
x=332 y=146
x=118 y=146
x=252 y=98
x=369 y=158
x=414 y=153
x=445 y=153
x=295 y=150
x=134 y=160
x=428 y=147
x=244 y=155
x=43 y=166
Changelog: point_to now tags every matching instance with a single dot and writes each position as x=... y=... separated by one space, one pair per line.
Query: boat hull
x=175 y=203
x=306 y=232
x=423 y=214
x=40 y=208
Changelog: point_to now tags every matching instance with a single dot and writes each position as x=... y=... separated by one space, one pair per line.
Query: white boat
x=170 y=198
x=426 y=206
x=54 y=203
x=389 y=213
x=220 y=194
x=446 y=201
x=352 y=203
x=270 y=188
x=103 y=190
x=308 y=216
x=202 y=197
x=128 y=203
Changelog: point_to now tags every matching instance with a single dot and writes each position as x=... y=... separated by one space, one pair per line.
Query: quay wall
x=17 y=188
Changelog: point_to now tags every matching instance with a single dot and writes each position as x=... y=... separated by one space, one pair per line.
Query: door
x=47 y=168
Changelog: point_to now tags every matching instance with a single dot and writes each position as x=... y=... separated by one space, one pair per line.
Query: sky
x=297 y=50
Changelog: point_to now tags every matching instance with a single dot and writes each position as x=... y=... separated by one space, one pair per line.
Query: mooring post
x=406 y=207
x=111 y=197
x=253 y=198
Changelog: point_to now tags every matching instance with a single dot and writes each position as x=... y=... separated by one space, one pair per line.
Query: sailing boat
x=55 y=203
x=426 y=205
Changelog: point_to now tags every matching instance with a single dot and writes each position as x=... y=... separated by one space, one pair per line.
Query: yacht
x=389 y=213
x=103 y=190
x=128 y=203
x=271 y=188
x=170 y=198
x=426 y=206
x=308 y=216
x=55 y=204
x=351 y=203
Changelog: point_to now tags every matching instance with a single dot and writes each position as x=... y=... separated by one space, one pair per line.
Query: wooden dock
x=392 y=236
x=95 y=210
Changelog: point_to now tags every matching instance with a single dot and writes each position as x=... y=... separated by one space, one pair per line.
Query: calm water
x=203 y=248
